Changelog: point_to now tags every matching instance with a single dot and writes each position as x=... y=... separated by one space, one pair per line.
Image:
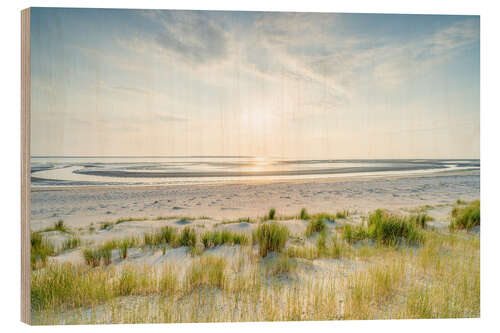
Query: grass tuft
x=71 y=243
x=188 y=237
x=41 y=249
x=317 y=224
x=271 y=237
x=58 y=226
x=466 y=217
x=217 y=238
x=206 y=271
x=387 y=229
x=304 y=215
x=272 y=214
x=281 y=266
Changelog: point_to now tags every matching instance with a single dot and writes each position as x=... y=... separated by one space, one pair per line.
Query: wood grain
x=25 y=166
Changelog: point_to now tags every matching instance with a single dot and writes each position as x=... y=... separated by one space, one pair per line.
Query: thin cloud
x=191 y=36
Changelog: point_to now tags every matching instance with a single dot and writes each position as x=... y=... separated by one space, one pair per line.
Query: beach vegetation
x=71 y=243
x=304 y=215
x=317 y=224
x=271 y=214
x=106 y=225
x=58 y=226
x=41 y=249
x=280 y=266
x=387 y=229
x=466 y=217
x=94 y=257
x=188 y=237
x=440 y=279
x=342 y=214
x=217 y=238
x=206 y=271
x=420 y=220
x=271 y=237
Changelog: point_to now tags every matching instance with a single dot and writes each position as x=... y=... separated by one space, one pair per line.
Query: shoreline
x=83 y=205
x=432 y=173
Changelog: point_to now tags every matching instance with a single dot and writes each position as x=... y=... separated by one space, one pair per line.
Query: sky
x=110 y=82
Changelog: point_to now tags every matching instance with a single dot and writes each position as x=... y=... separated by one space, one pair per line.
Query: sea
x=173 y=170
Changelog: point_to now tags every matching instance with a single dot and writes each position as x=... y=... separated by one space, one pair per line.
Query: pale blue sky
x=291 y=85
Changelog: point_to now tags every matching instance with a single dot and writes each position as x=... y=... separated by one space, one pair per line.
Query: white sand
x=84 y=207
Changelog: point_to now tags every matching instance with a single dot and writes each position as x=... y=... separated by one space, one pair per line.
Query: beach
x=100 y=217
x=79 y=206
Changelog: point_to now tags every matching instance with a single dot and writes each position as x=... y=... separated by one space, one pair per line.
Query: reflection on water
x=59 y=171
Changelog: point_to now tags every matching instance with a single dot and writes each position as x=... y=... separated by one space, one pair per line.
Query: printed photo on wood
x=219 y=166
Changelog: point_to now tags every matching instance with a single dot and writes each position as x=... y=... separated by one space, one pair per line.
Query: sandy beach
x=79 y=206
x=104 y=215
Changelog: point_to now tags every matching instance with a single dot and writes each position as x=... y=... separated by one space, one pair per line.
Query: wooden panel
x=25 y=166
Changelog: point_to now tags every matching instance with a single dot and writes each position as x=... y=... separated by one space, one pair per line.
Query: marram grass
x=439 y=278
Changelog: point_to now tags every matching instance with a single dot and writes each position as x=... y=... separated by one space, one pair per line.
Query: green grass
x=71 y=243
x=439 y=279
x=343 y=214
x=420 y=220
x=240 y=220
x=317 y=224
x=303 y=214
x=466 y=217
x=272 y=214
x=388 y=229
x=271 y=237
x=217 y=238
x=131 y=219
x=107 y=225
x=321 y=241
x=353 y=234
x=41 y=249
x=96 y=257
x=165 y=235
x=188 y=237
x=58 y=226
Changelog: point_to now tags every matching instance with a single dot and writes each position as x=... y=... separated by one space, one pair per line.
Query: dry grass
x=440 y=278
x=466 y=217
x=271 y=237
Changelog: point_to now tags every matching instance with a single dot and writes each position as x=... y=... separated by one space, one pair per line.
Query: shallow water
x=71 y=171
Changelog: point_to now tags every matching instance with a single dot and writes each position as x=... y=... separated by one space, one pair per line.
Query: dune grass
x=217 y=238
x=96 y=257
x=317 y=224
x=281 y=266
x=304 y=215
x=71 y=243
x=58 y=226
x=420 y=220
x=188 y=237
x=466 y=217
x=165 y=235
x=343 y=214
x=207 y=271
x=325 y=247
x=388 y=229
x=41 y=249
x=271 y=214
x=271 y=237
x=440 y=278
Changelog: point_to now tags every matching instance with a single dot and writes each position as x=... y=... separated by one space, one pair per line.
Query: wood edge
x=25 y=165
